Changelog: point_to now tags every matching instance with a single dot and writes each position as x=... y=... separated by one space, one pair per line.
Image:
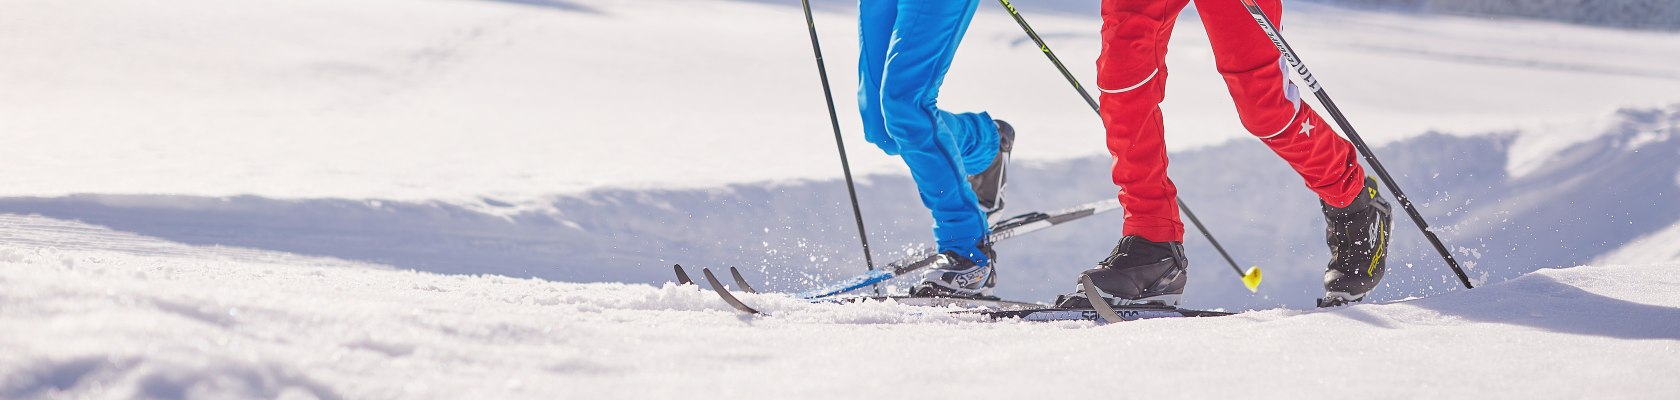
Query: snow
x=483 y=198
x=456 y=100
x=1655 y=247
x=129 y=316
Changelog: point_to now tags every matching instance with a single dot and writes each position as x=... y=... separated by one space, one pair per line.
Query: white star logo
x=1306 y=128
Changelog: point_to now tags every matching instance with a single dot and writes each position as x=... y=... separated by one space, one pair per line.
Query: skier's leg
x=1147 y=266
x=1270 y=105
x=1271 y=108
x=979 y=138
x=877 y=24
x=875 y=29
x=939 y=147
x=1132 y=75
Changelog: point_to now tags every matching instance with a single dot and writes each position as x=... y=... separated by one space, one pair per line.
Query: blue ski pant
x=906 y=48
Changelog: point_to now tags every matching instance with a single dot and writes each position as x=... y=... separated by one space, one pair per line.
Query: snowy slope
x=1658 y=246
x=90 y=312
x=458 y=100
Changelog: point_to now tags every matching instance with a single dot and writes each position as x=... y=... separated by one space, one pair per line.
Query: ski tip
x=740 y=281
x=1251 y=279
x=682 y=276
x=724 y=293
x=1095 y=297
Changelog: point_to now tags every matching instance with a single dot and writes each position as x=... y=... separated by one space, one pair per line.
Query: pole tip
x=1251 y=279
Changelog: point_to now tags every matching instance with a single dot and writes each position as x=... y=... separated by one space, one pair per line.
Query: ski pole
x=1250 y=278
x=1306 y=77
x=833 y=119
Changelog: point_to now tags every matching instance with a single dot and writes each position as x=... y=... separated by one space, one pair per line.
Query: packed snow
x=483 y=198
x=126 y=316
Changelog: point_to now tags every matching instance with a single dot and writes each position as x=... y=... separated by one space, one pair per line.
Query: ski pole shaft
x=839 y=143
x=1306 y=77
x=1204 y=230
x=1022 y=21
x=1093 y=103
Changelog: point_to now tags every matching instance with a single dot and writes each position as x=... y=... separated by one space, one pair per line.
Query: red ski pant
x=1132 y=74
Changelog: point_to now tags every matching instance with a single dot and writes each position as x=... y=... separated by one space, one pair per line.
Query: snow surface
x=90 y=312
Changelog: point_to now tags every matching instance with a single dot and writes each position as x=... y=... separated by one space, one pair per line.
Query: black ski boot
x=1358 y=238
x=1137 y=273
x=988 y=184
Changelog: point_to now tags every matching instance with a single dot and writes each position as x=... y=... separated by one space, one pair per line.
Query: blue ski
x=1009 y=228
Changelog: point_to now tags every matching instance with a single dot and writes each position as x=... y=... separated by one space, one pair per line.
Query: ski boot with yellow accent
x=1358 y=238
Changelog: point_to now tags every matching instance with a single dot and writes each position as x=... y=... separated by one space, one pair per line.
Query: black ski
x=1100 y=311
x=682 y=277
x=724 y=293
x=1088 y=314
x=742 y=282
